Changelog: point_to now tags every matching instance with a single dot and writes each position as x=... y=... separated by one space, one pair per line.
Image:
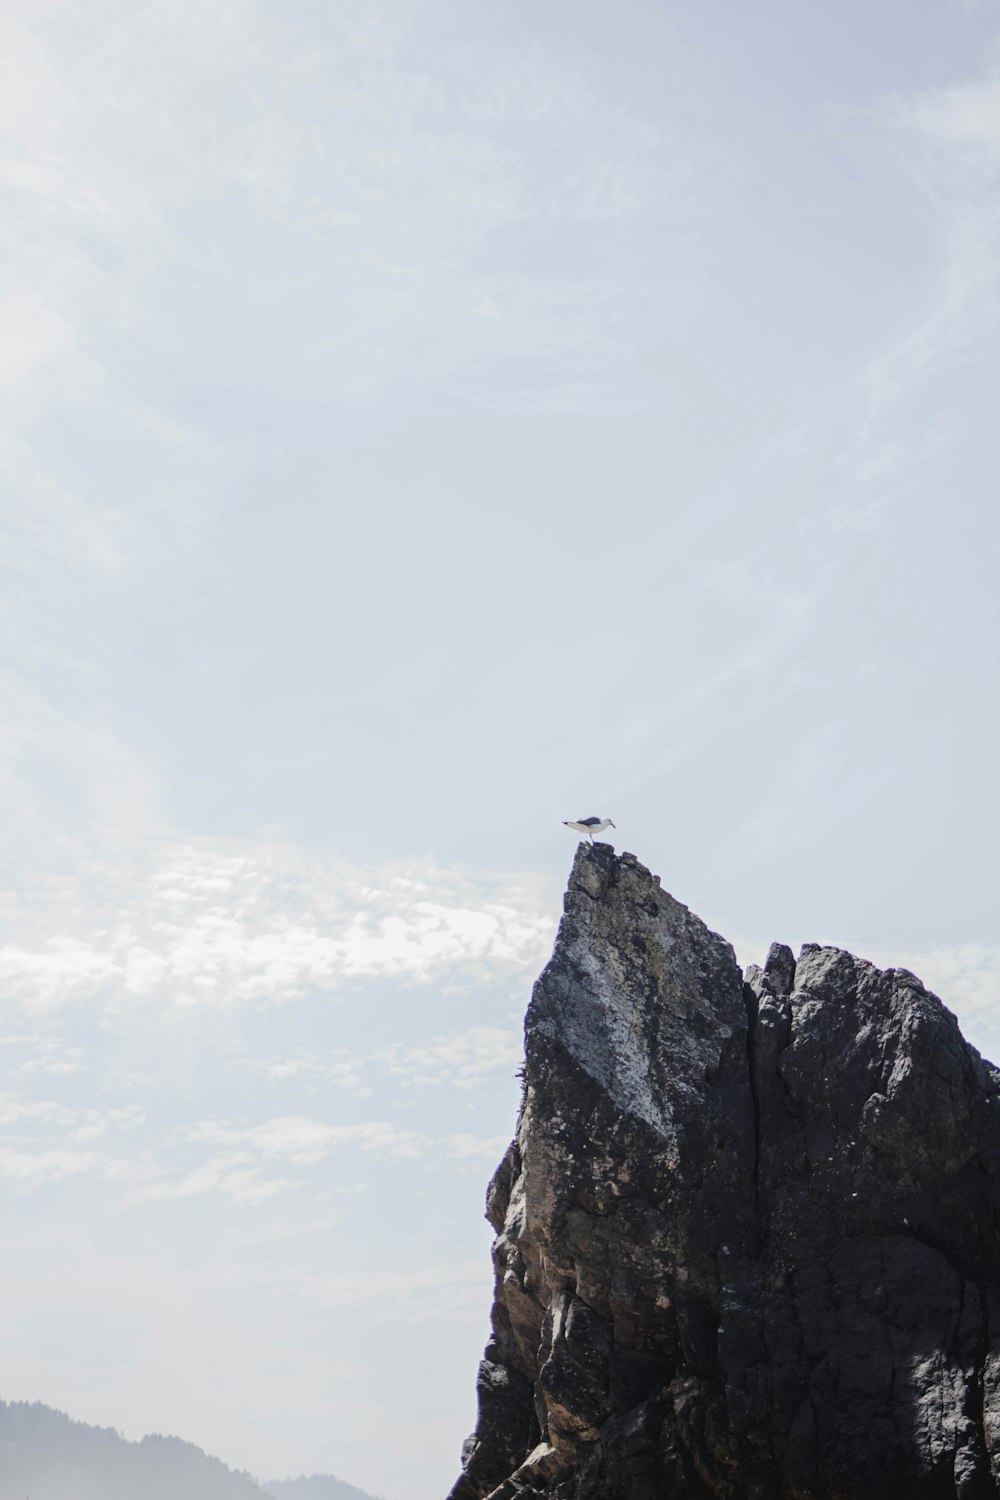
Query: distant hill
x=316 y=1487
x=47 y=1456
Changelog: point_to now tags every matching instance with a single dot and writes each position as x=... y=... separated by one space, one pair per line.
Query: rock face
x=748 y=1234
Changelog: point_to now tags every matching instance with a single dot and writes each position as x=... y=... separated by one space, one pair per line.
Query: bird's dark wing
x=589 y=822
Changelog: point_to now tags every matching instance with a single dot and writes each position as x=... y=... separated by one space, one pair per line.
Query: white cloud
x=967 y=115
x=57 y=1061
x=464 y=1147
x=34 y=335
x=304 y=1142
x=102 y=181
x=47 y=976
x=404 y=1294
x=234 y=1175
x=961 y=311
x=337 y=1067
x=208 y=926
x=44 y=1142
x=463 y=1059
x=34 y=1053
x=250 y=1163
x=67 y=1118
x=32 y=1168
x=957 y=133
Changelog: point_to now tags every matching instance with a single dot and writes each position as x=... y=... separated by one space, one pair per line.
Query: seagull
x=589 y=825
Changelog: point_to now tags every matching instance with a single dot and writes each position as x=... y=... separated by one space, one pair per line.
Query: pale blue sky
x=426 y=422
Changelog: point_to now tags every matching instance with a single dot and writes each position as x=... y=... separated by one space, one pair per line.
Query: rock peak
x=748 y=1232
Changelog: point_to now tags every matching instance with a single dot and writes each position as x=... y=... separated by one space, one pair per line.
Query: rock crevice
x=748 y=1232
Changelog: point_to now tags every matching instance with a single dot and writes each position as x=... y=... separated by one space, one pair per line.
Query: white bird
x=589 y=825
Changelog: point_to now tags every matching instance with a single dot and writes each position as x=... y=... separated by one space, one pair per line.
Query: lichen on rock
x=748 y=1232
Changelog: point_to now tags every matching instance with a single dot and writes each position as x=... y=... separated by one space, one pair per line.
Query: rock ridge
x=748 y=1231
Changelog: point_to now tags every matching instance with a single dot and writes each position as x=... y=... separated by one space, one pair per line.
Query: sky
x=426 y=421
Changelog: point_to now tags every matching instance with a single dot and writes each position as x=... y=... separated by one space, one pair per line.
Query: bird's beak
x=614 y=825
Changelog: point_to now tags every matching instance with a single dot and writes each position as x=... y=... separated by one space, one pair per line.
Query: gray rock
x=748 y=1234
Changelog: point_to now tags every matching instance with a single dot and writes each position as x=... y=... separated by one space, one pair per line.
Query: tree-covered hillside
x=45 y=1455
x=315 y=1487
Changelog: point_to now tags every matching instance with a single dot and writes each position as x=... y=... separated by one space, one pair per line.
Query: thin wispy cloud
x=338 y=1068
x=304 y=1142
x=463 y=1059
x=428 y=1295
x=966 y=115
x=131 y=1162
x=44 y=1142
x=952 y=138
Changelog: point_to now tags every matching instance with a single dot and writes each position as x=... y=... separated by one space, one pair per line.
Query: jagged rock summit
x=748 y=1234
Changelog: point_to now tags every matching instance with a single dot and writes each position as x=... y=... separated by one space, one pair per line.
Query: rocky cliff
x=748 y=1233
